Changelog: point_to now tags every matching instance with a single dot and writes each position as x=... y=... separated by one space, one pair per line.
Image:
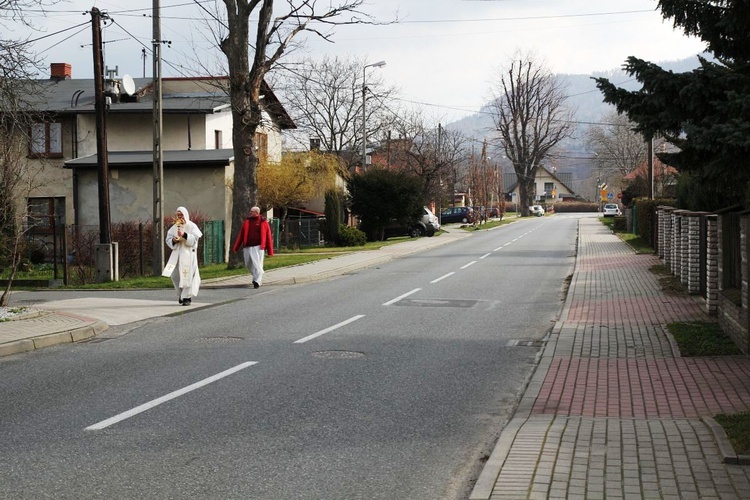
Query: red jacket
x=255 y=231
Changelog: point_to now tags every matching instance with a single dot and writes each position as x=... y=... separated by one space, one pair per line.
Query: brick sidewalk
x=613 y=411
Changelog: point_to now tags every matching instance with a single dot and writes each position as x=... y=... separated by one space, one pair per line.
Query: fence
x=71 y=249
x=297 y=233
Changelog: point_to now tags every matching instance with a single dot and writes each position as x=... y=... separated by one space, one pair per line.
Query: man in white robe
x=182 y=266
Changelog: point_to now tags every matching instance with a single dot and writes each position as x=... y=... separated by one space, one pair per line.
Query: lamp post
x=378 y=64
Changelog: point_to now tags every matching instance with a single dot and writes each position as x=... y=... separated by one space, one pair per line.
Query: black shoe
x=186 y=302
x=180 y=301
x=256 y=284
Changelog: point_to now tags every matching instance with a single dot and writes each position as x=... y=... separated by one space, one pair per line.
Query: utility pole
x=106 y=254
x=158 y=184
x=100 y=107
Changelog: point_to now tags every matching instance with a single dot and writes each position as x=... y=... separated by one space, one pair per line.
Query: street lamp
x=378 y=64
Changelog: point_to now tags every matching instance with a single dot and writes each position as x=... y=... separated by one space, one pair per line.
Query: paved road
x=388 y=382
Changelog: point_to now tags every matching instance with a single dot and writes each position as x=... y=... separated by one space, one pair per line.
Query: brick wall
x=712 y=265
x=733 y=311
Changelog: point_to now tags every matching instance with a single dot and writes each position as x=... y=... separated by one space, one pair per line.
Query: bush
x=619 y=224
x=575 y=206
x=351 y=236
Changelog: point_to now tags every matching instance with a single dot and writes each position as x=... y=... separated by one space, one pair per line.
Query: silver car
x=430 y=219
x=611 y=210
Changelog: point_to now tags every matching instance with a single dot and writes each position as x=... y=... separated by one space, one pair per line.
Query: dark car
x=416 y=228
x=457 y=214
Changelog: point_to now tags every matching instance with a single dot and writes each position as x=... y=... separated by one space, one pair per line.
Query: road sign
x=619 y=196
x=610 y=195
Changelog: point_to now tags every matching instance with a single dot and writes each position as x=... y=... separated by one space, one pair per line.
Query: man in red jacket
x=255 y=241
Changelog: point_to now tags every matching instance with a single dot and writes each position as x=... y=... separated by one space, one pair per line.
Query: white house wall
x=133 y=132
x=219 y=121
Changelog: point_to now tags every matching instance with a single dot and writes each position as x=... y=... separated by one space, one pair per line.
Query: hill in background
x=586 y=102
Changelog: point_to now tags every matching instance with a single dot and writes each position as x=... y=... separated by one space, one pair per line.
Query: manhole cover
x=338 y=354
x=218 y=340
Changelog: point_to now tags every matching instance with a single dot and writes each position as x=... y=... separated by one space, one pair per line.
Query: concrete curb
x=75 y=335
x=491 y=470
x=725 y=446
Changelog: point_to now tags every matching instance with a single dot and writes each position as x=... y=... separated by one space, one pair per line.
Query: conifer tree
x=705 y=112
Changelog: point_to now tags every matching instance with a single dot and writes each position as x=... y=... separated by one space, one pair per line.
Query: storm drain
x=338 y=354
x=218 y=340
x=525 y=343
x=465 y=304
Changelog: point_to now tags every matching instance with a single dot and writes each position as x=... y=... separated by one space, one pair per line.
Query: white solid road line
x=156 y=402
x=401 y=297
x=329 y=329
x=443 y=277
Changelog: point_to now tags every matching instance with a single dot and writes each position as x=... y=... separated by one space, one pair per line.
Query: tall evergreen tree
x=705 y=112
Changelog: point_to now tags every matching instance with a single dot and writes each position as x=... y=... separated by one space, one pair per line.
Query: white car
x=611 y=210
x=430 y=219
x=537 y=210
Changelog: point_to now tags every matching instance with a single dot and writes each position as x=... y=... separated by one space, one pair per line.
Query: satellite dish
x=128 y=85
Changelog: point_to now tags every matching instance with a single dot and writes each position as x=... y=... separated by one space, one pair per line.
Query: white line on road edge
x=469 y=264
x=329 y=329
x=485 y=255
x=401 y=297
x=156 y=402
x=442 y=277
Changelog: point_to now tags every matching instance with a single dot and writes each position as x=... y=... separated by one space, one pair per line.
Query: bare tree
x=325 y=100
x=17 y=87
x=273 y=35
x=429 y=151
x=527 y=108
x=619 y=149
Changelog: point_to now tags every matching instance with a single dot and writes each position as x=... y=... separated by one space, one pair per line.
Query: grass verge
x=207 y=272
x=488 y=225
x=669 y=283
x=283 y=258
x=702 y=339
x=737 y=427
x=636 y=242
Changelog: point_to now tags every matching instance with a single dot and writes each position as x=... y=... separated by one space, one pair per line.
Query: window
x=43 y=212
x=46 y=140
x=261 y=146
x=548 y=188
x=218 y=141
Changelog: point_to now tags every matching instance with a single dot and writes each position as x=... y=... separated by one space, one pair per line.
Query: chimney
x=60 y=71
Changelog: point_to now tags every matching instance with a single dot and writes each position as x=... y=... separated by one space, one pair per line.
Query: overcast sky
x=441 y=54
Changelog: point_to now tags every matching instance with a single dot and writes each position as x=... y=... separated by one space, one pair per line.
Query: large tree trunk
x=244 y=94
x=526 y=194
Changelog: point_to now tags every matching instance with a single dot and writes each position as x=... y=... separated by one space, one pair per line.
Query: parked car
x=537 y=210
x=426 y=226
x=430 y=219
x=611 y=210
x=414 y=230
x=457 y=214
x=494 y=212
